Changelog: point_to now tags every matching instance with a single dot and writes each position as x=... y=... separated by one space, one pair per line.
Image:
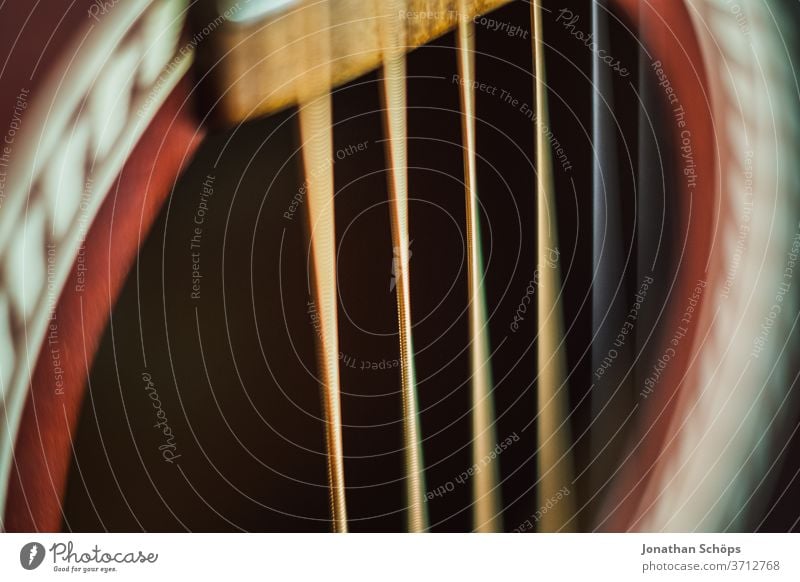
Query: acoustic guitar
x=415 y=265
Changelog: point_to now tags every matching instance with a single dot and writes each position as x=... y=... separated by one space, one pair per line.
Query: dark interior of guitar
x=217 y=322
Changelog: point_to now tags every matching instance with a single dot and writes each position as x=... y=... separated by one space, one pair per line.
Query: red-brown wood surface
x=671 y=39
x=44 y=446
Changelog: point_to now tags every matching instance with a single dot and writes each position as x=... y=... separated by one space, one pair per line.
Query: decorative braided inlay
x=719 y=449
x=74 y=137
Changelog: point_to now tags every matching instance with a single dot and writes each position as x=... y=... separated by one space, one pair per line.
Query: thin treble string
x=611 y=396
x=317 y=137
x=394 y=90
x=553 y=459
x=485 y=487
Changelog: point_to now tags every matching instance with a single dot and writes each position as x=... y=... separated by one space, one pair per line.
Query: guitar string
x=554 y=460
x=393 y=45
x=486 y=513
x=611 y=396
x=316 y=132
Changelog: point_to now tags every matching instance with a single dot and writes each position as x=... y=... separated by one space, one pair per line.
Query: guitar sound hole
x=203 y=412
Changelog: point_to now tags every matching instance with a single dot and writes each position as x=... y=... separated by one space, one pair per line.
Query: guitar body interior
x=172 y=382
